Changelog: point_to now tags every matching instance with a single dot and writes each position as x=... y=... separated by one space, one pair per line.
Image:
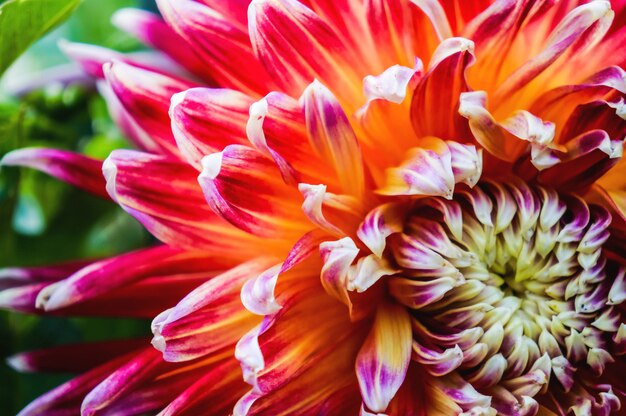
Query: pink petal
x=146 y=97
x=103 y=276
x=92 y=58
x=209 y=318
x=73 y=358
x=66 y=399
x=296 y=47
x=205 y=120
x=246 y=189
x=73 y=168
x=277 y=128
x=221 y=43
x=152 y=30
x=119 y=382
x=180 y=216
x=585 y=159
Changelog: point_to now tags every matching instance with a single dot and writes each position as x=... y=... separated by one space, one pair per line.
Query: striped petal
x=585 y=159
x=180 y=216
x=384 y=358
x=213 y=393
x=205 y=120
x=208 y=319
x=146 y=97
x=222 y=44
x=153 y=31
x=436 y=98
x=332 y=137
x=92 y=58
x=296 y=47
x=104 y=276
x=73 y=168
x=577 y=26
x=277 y=128
x=66 y=399
x=246 y=189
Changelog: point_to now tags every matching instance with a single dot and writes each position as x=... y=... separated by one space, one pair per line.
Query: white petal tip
x=211 y=165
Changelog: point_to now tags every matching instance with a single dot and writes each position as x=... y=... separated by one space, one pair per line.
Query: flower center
x=508 y=284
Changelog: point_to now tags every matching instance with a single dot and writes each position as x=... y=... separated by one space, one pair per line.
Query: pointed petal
x=91 y=58
x=180 y=216
x=73 y=168
x=571 y=29
x=73 y=358
x=296 y=47
x=146 y=97
x=66 y=398
x=332 y=137
x=213 y=393
x=103 y=276
x=222 y=44
x=585 y=159
x=381 y=364
x=277 y=128
x=209 y=318
x=205 y=120
x=435 y=102
x=152 y=30
x=121 y=381
x=246 y=189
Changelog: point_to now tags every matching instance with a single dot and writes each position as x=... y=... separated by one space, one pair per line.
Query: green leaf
x=22 y=22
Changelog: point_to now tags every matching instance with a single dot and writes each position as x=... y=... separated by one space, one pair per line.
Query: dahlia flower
x=377 y=207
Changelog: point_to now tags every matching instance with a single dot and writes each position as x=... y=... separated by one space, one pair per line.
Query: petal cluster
x=376 y=207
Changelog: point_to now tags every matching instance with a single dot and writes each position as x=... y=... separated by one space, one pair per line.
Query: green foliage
x=42 y=220
x=22 y=22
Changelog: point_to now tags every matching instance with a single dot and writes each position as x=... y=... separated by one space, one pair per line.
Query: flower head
x=385 y=206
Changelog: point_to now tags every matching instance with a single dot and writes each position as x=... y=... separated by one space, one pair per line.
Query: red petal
x=223 y=45
x=435 y=102
x=246 y=189
x=146 y=97
x=205 y=120
x=296 y=47
x=180 y=215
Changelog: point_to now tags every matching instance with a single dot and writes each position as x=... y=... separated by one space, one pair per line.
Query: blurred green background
x=44 y=221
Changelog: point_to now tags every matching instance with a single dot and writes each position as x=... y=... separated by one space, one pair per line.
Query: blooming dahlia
x=378 y=206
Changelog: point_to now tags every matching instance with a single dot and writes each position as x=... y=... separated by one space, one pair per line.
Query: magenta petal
x=104 y=276
x=146 y=95
x=180 y=216
x=246 y=189
x=205 y=120
x=297 y=46
x=73 y=358
x=222 y=44
x=151 y=29
x=73 y=168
